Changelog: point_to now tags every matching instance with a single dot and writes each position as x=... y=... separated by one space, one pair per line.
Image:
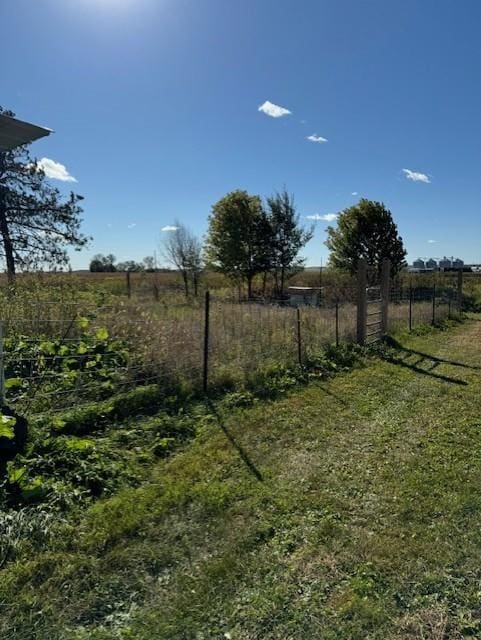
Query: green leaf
x=83 y=323
x=82 y=348
x=102 y=334
x=12 y=383
x=15 y=474
x=58 y=424
x=47 y=347
x=7 y=424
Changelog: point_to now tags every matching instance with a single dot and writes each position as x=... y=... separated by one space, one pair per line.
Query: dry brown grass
x=166 y=335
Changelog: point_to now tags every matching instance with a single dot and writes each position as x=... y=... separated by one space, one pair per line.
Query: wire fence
x=57 y=356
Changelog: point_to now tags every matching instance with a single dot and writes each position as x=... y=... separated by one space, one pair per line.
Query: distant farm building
x=419 y=264
x=445 y=263
x=304 y=296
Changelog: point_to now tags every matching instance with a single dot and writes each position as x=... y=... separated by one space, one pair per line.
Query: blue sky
x=155 y=107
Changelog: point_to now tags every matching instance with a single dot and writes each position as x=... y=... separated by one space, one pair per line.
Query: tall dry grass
x=165 y=336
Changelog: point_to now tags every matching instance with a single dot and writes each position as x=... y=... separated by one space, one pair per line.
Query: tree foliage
x=287 y=238
x=365 y=230
x=106 y=264
x=238 y=237
x=101 y=263
x=246 y=239
x=37 y=223
x=130 y=265
x=183 y=250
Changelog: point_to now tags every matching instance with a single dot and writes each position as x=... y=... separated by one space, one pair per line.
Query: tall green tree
x=101 y=263
x=238 y=237
x=287 y=237
x=37 y=223
x=365 y=230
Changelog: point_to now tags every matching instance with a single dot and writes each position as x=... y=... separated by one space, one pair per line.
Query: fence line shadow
x=401 y=361
x=240 y=450
x=397 y=345
x=426 y=372
x=333 y=395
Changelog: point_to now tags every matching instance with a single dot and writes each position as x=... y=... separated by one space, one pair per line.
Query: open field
x=349 y=509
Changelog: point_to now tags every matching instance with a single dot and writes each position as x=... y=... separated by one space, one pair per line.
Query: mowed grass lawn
x=349 y=509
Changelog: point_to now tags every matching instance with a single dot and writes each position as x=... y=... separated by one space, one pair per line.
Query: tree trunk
x=249 y=287
x=186 y=283
x=7 y=242
x=276 y=281
x=196 y=283
x=283 y=277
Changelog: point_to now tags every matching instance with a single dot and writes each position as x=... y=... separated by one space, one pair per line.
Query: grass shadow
x=238 y=447
x=332 y=395
x=392 y=342
x=423 y=358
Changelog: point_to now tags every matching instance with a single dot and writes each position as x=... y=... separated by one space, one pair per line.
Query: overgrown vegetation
x=128 y=470
x=330 y=511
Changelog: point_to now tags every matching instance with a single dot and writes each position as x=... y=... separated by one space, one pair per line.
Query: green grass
x=351 y=508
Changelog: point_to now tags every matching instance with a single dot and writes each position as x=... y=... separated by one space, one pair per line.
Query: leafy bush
x=334 y=358
x=95 y=416
x=274 y=378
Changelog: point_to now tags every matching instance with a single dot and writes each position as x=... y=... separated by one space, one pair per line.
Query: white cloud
x=315 y=138
x=354 y=193
x=273 y=110
x=416 y=176
x=432 y=241
x=169 y=227
x=131 y=225
x=327 y=217
x=55 y=170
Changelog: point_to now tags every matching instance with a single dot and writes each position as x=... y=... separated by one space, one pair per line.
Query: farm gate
x=372 y=301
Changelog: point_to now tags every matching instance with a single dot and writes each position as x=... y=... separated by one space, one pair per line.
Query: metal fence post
x=434 y=305
x=2 y=368
x=410 y=307
x=205 y=377
x=299 y=337
x=129 y=288
x=361 y=300
x=337 y=322
x=385 y=289
x=460 y=291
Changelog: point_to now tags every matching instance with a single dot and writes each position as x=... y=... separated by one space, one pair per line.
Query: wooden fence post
x=459 y=292
x=205 y=377
x=299 y=337
x=129 y=288
x=361 y=300
x=385 y=290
